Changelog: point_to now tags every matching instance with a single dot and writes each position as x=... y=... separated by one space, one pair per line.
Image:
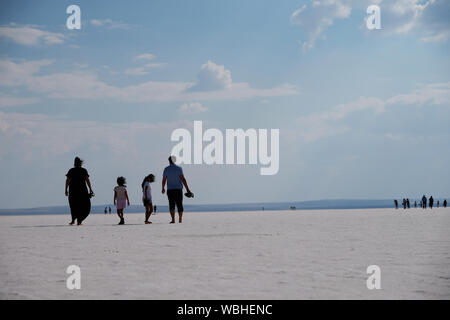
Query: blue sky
x=362 y=114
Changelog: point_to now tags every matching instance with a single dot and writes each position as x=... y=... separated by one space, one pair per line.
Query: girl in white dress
x=121 y=198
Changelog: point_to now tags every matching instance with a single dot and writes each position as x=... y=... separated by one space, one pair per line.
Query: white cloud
x=138 y=71
x=110 y=24
x=439 y=37
x=406 y=16
x=212 y=77
x=9 y=101
x=432 y=94
x=395 y=137
x=145 y=56
x=240 y=91
x=312 y=129
x=319 y=125
x=316 y=17
x=323 y=124
x=19 y=74
x=427 y=19
x=30 y=36
x=81 y=84
x=143 y=70
x=35 y=136
x=192 y=107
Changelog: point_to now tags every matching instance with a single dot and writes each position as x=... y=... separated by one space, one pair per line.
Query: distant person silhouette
x=79 y=197
x=424 y=202
x=408 y=204
x=445 y=203
x=415 y=204
x=154 y=208
x=404 y=203
x=106 y=210
x=175 y=179
x=109 y=209
x=437 y=204
x=431 y=201
x=396 y=203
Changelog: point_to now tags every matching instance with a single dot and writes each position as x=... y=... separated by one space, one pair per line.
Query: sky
x=362 y=114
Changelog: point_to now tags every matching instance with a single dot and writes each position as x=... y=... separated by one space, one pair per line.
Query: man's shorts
x=175 y=197
x=147 y=202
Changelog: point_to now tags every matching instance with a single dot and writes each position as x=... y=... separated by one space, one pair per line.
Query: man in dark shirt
x=175 y=179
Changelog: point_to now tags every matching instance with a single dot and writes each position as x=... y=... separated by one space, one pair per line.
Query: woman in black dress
x=79 y=197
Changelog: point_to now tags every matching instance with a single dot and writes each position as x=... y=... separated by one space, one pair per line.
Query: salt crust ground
x=318 y=254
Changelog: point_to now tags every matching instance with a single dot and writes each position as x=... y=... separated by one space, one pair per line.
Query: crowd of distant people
x=77 y=184
x=422 y=204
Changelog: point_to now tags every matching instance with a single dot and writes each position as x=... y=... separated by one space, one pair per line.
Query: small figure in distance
x=415 y=204
x=396 y=203
x=424 y=202
x=431 y=201
x=445 y=203
x=408 y=204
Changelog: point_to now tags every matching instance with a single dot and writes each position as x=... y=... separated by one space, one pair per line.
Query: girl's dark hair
x=121 y=181
x=147 y=178
x=77 y=162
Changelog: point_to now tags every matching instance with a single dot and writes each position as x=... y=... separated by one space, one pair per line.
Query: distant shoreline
x=269 y=206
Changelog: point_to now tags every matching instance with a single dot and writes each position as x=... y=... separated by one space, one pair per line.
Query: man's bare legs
x=172 y=214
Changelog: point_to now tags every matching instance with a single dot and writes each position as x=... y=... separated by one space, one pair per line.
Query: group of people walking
x=422 y=204
x=79 y=190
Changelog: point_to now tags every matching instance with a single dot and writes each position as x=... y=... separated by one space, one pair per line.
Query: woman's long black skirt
x=80 y=206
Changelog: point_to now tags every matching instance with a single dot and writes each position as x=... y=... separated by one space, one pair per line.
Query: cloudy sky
x=362 y=114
